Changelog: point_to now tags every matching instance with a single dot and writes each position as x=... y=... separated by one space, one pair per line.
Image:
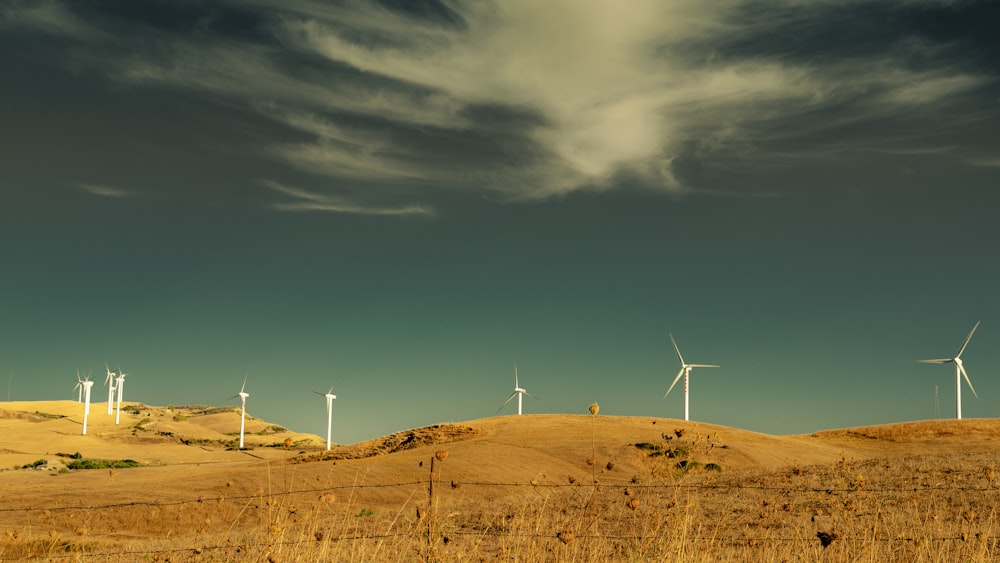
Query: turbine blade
x=676 y=379
x=967 y=380
x=676 y=349
x=702 y=366
x=530 y=395
x=512 y=395
x=515 y=373
x=967 y=339
x=243 y=388
x=937 y=361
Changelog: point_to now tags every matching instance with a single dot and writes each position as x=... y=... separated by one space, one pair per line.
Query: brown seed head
x=441 y=455
x=594 y=408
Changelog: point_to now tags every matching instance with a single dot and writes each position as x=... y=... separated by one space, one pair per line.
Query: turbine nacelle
x=329 y=394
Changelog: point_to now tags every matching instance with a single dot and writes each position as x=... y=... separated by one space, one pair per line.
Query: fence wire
x=236 y=548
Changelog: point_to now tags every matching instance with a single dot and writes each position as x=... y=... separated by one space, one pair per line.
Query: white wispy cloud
x=613 y=86
x=989 y=162
x=104 y=191
x=609 y=92
x=48 y=16
x=304 y=200
x=342 y=151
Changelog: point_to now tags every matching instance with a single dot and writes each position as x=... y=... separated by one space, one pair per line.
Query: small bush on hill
x=102 y=464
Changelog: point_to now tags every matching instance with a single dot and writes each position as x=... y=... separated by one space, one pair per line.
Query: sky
x=402 y=197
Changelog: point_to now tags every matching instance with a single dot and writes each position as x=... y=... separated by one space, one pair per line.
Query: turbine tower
x=329 y=413
x=110 y=382
x=87 y=384
x=518 y=392
x=686 y=372
x=243 y=408
x=121 y=389
x=959 y=372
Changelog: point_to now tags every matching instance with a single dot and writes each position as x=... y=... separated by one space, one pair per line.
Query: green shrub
x=102 y=464
x=273 y=429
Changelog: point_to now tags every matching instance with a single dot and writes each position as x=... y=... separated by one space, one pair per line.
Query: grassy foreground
x=662 y=499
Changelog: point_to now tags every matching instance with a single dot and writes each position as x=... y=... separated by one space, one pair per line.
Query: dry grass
x=584 y=493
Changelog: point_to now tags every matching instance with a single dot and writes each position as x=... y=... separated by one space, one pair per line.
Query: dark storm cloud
x=519 y=99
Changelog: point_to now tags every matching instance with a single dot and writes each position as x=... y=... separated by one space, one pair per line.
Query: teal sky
x=401 y=197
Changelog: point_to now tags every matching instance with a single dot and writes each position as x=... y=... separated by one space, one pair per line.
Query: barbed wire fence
x=992 y=539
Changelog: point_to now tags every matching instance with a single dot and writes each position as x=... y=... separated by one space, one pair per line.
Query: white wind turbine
x=110 y=382
x=518 y=392
x=329 y=413
x=686 y=372
x=243 y=408
x=121 y=389
x=959 y=372
x=87 y=384
x=78 y=388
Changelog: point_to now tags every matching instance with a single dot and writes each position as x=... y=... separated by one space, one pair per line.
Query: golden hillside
x=206 y=493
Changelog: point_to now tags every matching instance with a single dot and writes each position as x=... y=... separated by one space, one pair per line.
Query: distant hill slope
x=184 y=451
x=30 y=431
x=514 y=445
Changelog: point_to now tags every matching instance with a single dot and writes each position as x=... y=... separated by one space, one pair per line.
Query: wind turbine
x=110 y=382
x=518 y=392
x=87 y=384
x=121 y=389
x=78 y=387
x=329 y=412
x=686 y=372
x=243 y=408
x=959 y=372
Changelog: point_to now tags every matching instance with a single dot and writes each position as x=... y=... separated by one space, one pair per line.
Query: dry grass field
x=529 y=488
